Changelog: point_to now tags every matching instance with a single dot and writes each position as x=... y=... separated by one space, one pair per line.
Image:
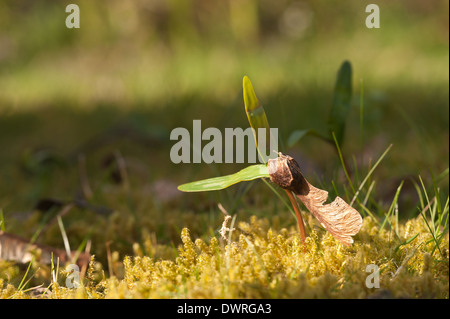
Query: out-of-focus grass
x=161 y=55
x=135 y=70
x=130 y=53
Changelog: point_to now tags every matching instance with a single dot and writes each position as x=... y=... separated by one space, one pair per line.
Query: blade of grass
x=445 y=213
x=342 y=162
x=406 y=242
x=432 y=217
x=341 y=102
x=419 y=194
x=64 y=236
x=429 y=205
x=334 y=188
x=442 y=175
x=422 y=213
x=356 y=170
x=369 y=212
x=392 y=207
x=361 y=116
x=355 y=197
x=279 y=196
x=22 y=282
x=369 y=191
x=54 y=272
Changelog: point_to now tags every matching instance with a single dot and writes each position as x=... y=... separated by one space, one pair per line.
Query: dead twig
x=224 y=230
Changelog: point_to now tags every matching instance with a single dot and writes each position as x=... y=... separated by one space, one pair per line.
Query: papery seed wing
x=338 y=218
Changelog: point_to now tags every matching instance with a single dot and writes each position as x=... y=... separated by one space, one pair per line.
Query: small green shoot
x=347 y=217
x=338 y=114
x=256 y=115
x=341 y=102
x=217 y=183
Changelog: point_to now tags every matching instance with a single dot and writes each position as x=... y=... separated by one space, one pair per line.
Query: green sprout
x=340 y=219
x=257 y=119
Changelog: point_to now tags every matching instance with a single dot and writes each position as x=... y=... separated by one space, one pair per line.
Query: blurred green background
x=75 y=102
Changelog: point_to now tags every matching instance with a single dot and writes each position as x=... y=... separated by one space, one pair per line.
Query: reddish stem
x=301 y=226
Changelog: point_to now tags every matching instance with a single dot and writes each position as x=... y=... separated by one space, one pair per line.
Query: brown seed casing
x=285 y=172
x=338 y=218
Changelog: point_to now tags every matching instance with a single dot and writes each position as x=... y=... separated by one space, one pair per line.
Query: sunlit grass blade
x=435 y=210
x=23 y=283
x=355 y=197
x=406 y=242
x=342 y=162
x=217 y=183
x=392 y=207
x=64 y=236
x=256 y=116
x=341 y=102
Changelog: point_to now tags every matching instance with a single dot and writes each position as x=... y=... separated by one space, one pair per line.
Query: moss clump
x=260 y=262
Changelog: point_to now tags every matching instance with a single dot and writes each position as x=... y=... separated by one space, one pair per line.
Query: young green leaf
x=256 y=115
x=258 y=119
x=341 y=102
x=216 y=183
x=297 y=135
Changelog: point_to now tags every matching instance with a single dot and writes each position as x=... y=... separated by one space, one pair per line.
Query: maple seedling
x=338 y=218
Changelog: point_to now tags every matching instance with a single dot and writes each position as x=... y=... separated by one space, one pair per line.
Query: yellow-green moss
x=261 y=262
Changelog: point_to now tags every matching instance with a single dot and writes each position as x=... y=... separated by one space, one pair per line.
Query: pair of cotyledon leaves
x=258 y=119
x=337 y=217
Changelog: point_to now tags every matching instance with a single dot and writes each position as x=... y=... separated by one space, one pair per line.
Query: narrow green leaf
x=341 y=102
x=391 y=208
x=258 y=119
x=297 y=135
x=355 y=197
x=216 y=183
x=256 y=115
x=406 y=242
x=342 y=162
x=22 y=285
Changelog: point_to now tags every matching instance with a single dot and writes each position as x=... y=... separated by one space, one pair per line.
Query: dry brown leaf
x=15 y=248
x=338 y=218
